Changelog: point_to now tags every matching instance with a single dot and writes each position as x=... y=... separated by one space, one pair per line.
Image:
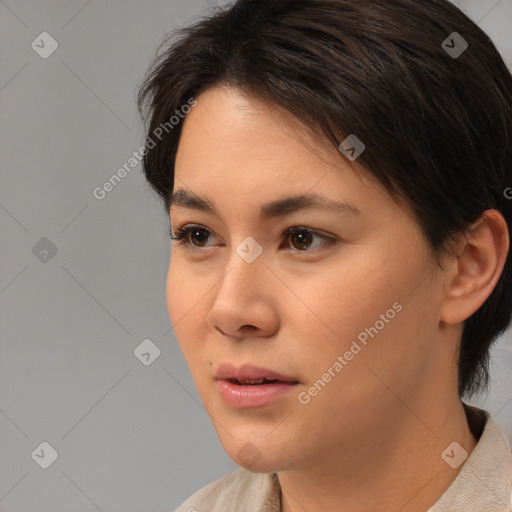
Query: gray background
x=130 y=437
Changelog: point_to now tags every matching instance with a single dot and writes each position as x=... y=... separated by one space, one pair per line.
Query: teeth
x=254 y=381
x=251 y=382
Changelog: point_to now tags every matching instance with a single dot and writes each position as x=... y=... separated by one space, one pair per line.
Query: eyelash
x=182 y=232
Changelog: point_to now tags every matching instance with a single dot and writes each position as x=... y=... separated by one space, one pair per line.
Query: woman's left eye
x=305 y=236
x=301 y=237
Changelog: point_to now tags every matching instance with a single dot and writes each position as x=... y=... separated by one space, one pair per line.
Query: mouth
x=252 y=382
x=250 y=386
x=248 y=375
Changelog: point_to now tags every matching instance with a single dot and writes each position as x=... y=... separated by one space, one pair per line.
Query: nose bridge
x=246 y=267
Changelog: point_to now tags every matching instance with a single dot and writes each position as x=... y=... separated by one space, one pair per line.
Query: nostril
x=221 y=331
x=244 y=329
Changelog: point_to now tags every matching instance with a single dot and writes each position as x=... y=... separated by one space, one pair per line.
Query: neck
x=398 y=467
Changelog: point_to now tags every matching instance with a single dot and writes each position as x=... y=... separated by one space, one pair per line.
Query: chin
x=255 y=454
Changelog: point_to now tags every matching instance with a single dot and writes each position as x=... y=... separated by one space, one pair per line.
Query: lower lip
x=243 y=397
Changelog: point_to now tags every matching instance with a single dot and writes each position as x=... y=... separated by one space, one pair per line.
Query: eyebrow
x=278 y=208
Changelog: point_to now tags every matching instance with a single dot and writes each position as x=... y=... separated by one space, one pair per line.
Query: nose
x=246 y=300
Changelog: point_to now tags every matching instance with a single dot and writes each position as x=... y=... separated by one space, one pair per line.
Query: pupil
x=194 y=233
x=304 y=237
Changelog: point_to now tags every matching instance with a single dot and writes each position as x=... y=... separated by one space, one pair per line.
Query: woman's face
x=347 y=308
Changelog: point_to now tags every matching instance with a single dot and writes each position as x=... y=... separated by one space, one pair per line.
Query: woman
x=336 y=177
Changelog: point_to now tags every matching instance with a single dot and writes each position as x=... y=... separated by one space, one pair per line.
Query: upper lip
x=249 y=372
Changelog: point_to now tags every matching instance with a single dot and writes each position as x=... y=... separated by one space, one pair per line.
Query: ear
x=471 y=276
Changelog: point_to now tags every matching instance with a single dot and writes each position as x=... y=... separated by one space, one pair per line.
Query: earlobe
x=474 y=273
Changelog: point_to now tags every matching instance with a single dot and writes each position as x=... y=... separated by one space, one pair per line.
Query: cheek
x=347 y=298
x=186 y=307
x=180 y=304
x=368 y=316
x=173 y=291
x=183 y=291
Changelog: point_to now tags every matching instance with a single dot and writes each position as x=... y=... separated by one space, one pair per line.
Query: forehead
x=242 y=146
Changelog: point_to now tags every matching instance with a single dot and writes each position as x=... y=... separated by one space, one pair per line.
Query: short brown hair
x=437 y=126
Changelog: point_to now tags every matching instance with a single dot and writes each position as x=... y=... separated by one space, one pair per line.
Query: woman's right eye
x=183 y=235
